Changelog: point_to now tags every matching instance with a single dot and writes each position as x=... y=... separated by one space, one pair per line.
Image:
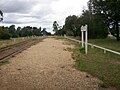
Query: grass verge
x=107 y=43
x=58 y=37
x=4 y=43
x=104 y=66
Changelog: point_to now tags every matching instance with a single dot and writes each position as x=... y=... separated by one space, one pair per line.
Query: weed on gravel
x=3 y=62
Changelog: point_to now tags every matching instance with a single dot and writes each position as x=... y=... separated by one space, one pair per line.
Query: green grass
x=104 y=66
x=107 y=43
x=4 y=62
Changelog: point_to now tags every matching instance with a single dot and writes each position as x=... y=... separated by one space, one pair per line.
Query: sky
x=39 y=13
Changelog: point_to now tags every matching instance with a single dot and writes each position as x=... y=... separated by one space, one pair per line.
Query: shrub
x=4 y=34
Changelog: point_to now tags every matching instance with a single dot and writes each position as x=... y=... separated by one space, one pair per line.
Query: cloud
x=39 y=12
x=22 y=6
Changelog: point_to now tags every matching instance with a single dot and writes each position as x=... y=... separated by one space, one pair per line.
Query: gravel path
x=45 y=66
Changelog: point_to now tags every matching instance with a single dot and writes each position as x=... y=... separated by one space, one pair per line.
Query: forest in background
x=102 y=18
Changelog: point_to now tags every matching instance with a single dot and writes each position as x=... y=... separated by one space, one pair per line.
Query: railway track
x=10 y=51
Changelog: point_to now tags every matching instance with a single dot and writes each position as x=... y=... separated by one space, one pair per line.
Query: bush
x=4 y=34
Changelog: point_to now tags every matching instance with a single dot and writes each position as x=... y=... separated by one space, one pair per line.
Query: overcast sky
x=39 y=13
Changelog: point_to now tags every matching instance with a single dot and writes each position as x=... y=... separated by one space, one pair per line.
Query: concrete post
x=86 y=40
x=82 y=39
x=82 y=36
x=84 y=29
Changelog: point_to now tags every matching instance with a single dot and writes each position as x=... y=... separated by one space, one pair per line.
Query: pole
x=84 y=29
x=82 y=36
x=82 y=39
x=86 y=41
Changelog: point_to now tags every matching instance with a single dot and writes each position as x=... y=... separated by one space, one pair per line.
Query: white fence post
x=95 y=46
x=104 y=51
x=64 y=36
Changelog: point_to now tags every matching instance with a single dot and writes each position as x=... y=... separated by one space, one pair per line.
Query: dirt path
x=45 y=66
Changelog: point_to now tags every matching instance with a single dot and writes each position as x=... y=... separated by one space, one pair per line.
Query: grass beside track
x=15 y=41
x=104 y=66
x=4 y=43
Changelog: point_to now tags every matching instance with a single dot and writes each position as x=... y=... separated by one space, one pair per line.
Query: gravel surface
x=45 y=66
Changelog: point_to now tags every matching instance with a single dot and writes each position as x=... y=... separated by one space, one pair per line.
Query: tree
x=39 y=31
x=71 y=25
x=18 y=31
x=96 y=26
x=110 y=12
x=61 y=31
x=1 y=15
x=44 y=32
x=26 y=31
x=36 y=31
x=12 y=31
x=55 y=27
x=4 y=34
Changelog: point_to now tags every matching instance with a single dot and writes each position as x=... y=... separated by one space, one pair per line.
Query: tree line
x=12 y=32
x=102 y=18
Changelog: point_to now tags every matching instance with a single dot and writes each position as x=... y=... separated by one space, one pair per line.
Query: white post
x=104 y=51
x=86 y=40
x=64 y=36
x=82 y=36
x=82 y=39
x=84 y=29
